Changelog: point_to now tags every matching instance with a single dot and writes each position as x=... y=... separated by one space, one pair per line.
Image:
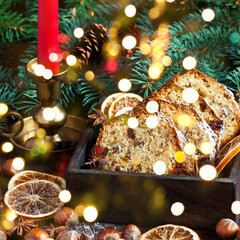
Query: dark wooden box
x=146 y=199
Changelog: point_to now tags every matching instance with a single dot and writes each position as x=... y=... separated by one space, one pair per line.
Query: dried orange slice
x=170 y=232
x=34 y=199
x=108 y=102
x=227 y=153
x=124 y=100
x=26 y=176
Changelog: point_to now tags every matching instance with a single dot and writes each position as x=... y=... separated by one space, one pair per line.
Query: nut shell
x=227 y=229
x=66 y=216
x=68 y=235
x=131 y=232
x=3 y=234
x=109 y=234
x=36 y=234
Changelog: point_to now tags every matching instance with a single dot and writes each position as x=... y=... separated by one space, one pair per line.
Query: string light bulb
x=65 y=196
x=160 y=167
x=7 y=147
x=152 y=121
x=155 y=70
x=129 y=42
x=208 y=15
x=180 y=156
x=208 y=172
x=39 y=70
x=18 y=163
x=189 y=63
x=89 y=75
x=152 y=106
x=206 y=148
x=124 y=85
x=177 y=209
x=190 y=95
x=133 y=122
x=47 y=74
x=130 y=10
x=236 y=207
x=48 y=114
x=78 y=32
x=90 y=214
x=189 y=148
x=3 y=108
x=71 y=60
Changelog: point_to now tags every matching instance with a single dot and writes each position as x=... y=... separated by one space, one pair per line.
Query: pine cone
x=90 y=45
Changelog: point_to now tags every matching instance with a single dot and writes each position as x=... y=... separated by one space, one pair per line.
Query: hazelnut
x=68 y=235
x=109 y=234
x=131 y=232
x=36 y=234
x=7 y=169
x=66 y=216
x=3 y=235
x=226 y=228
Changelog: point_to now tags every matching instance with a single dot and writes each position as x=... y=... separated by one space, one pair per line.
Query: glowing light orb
x=177 y=209
x=7 y=147
x=112 y=66
x=114 y=49
x=18 y=163
x=145 y=48
x=154 y=12
x=206 y=148
x=78 y=32
x=184 y=120
x=190 y=95
x=152 y=106
x=166 y=61
x=10 y=215
x=189 y=148
x=65 y=196
x=130 y=10
x=90 y=214
x=89 y=75
x=41 y=133
x=236 y=207
x=3 y=108
x=235 y=37
x=180 y=156
x=48 y=114
x=155 y=70
x=208 y=172
x=53 y=57
x=129 y=42
x=124 y=85
x=79 y=209
x=133 y=122
x=152 y=121
x=170 y=1
x=47 y=74
x=39 y=70
x=71 y=60
x=208 y=15
x=160 y=167
x=7 y=224
x=189 y=63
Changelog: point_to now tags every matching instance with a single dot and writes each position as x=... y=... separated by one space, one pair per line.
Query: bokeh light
x=130 y=10
x=39 y=70
x=71 y=60
x=133 y=122
x=124 y=85
x=180 y=156
x=152 y=106
x=235 y=37
x=170 y=1
x=41 y=133
x=53 y=57
x=166 y=61
x=90 y=214
x=190 y=95
x=189 y=63
x=112 y=66
x=177 y=209
x=206 y=148
x=89 y=75
x=208 y=172
x=145 y=48
x=10 y=215
x=129 y=42
x=189 y=148
x=7 y=147
x=184 y=120
x=48 y=114
x=65 y=196
x=160 y=167
x=236 y=207
x=79 y=209
x=78 y=32
x=3 y=108
x=7 y=224
x=154 y=12
x=18 y=163
x=155 y=70
x=47 y=74
x=208 y=15
x=152 y=121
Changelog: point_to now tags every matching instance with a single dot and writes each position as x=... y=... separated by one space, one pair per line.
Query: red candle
x=48 y=30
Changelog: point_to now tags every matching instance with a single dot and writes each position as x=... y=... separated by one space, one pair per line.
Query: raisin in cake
x=121 y=148
x=217 y=96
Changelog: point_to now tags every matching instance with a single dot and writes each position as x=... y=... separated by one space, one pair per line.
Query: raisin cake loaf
x=217 y=96
x=121 y=148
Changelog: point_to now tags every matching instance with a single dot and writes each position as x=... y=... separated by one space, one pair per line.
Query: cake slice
x=120 y=148
x=217 y=96
x=190 y=123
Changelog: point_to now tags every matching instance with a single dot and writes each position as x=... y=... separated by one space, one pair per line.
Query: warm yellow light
x=177 y=209
x=78 y=32
x=152 y=121
x=39 y=70
x=18 y=163
x=10 y=215
x=208 y=15
x=133 y=122
x=79 y=209
x=160 y=167
x=145 y=48
x=71 y=60
x=170 y=1
x=155 y=70
x=53 y=57
x=65 y=196
x=7 y=147
x=41 y=133
x=7 y=224
x=47 y=74
x=189 y=149
x=124 y=85
x=48 y=114
x=114 y=49
x=180 y=156
x=130 y=10
x=189 y=63
x=166 y=61
x=236 y=207
x=190 y=95
x=152 y=106
x=90 y=214
x=154 y=12
x=206 y=148
x=89 y=75
x=113 y=32
x=184 y=120
x=129 y=42
x=208 y=172
x=3 y=108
